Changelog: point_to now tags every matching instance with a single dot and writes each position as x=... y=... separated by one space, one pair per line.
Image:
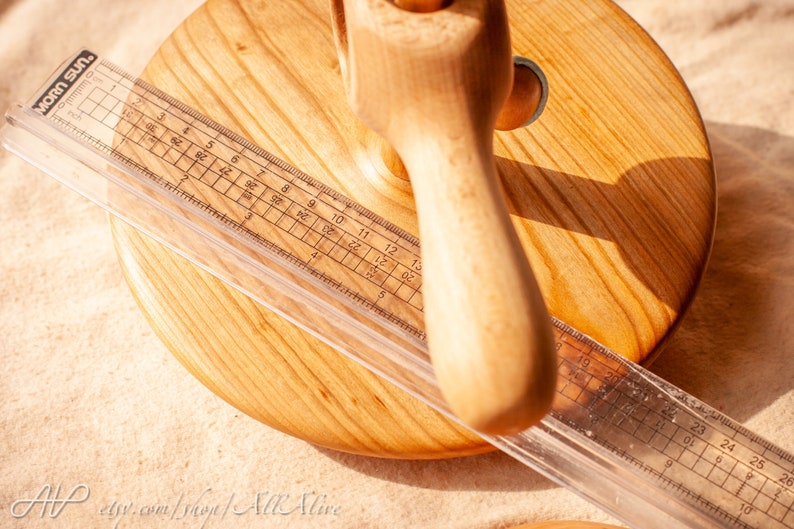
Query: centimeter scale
x=625 y=439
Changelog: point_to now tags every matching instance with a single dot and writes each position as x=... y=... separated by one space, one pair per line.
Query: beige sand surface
x=89 y=396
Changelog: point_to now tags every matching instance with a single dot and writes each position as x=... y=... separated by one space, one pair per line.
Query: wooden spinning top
x=611 y=193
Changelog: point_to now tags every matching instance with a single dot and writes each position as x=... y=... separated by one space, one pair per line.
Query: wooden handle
x=432 y=85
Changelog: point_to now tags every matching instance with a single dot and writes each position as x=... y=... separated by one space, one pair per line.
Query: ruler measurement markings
x=674 y=483
x=154 y=92
x=200 y=166
x=686 y=445
x=199 y=169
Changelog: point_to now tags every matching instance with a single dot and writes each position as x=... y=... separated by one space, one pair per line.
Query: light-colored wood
x=611 y=191
x=523 y=104
x=432 y=86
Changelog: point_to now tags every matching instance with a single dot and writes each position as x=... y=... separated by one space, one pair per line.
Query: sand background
x=88 y=395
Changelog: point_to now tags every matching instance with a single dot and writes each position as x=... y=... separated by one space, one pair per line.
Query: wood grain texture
x=611 y=192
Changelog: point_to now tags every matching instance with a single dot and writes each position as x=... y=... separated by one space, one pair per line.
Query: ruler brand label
x=64 y=81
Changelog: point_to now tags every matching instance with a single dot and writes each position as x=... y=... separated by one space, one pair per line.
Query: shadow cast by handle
x=733 y=350
x=733 y=341
x=660 y=237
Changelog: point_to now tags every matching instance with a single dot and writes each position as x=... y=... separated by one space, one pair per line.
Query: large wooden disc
x=611 y=190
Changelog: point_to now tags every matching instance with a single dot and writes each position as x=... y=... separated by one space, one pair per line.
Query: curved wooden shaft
x=488 y=328
x=432 y=85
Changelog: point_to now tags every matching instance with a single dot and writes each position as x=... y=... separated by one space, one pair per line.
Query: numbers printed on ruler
x=660 y=434
x=250 y=190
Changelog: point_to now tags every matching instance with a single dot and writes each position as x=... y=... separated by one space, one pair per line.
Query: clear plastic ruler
x=643 y=450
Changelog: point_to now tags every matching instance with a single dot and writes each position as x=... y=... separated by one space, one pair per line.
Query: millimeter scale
x=621 y=437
